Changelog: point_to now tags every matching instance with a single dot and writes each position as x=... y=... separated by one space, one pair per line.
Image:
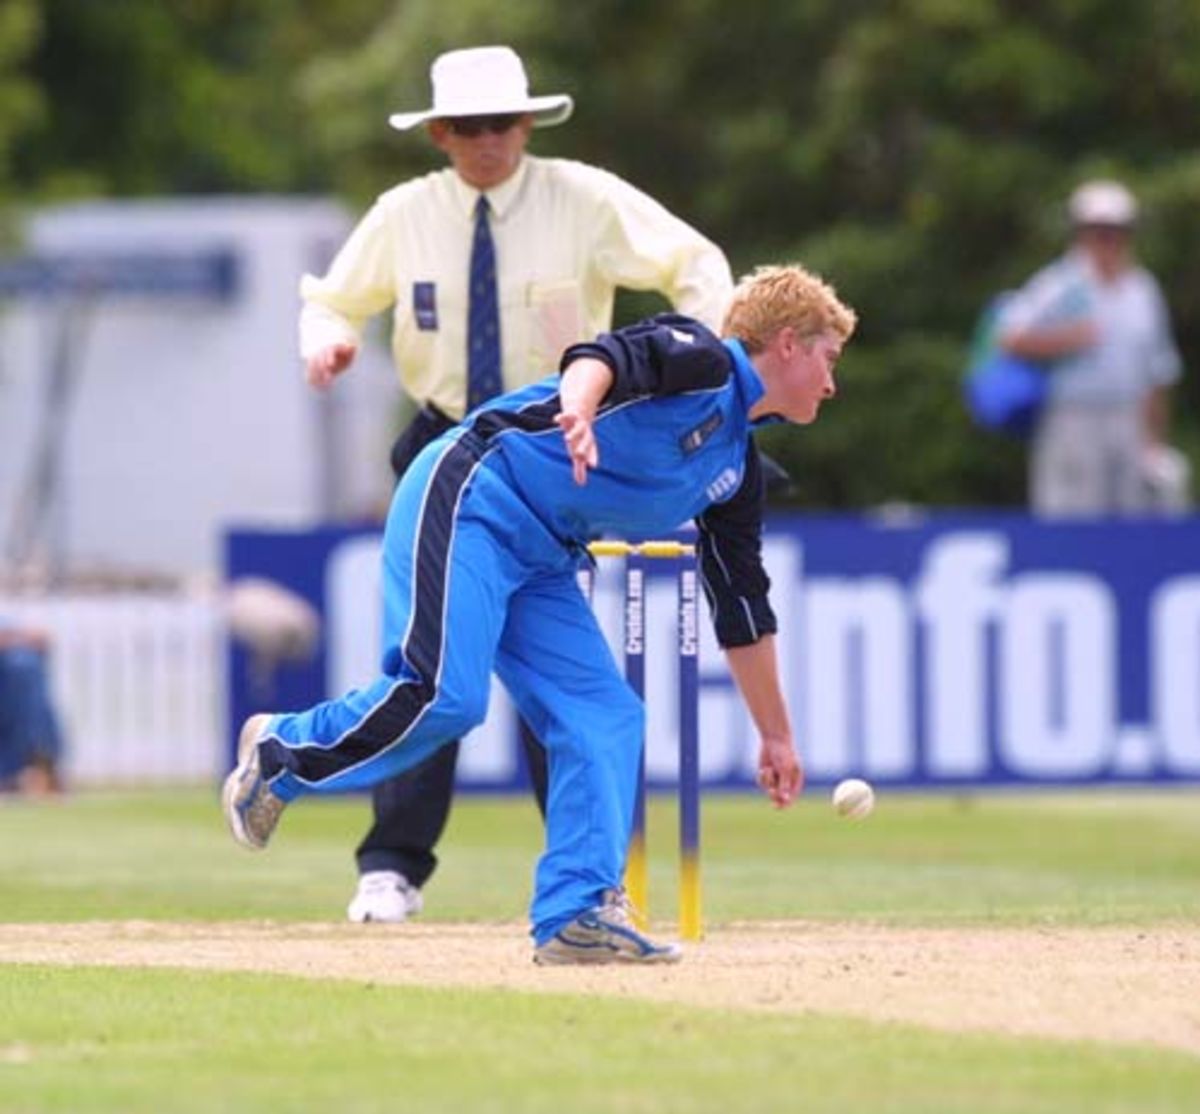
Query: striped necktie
x=483 y=319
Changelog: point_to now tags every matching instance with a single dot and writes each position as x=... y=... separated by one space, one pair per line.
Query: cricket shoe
x=251 y=809
x=384 y=897
x=605 y=934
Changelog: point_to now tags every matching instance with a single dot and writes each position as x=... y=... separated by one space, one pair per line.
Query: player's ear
x=784 y=342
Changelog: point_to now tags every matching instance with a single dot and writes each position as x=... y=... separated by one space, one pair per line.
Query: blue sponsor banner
x=951 y=650
x=213 y=274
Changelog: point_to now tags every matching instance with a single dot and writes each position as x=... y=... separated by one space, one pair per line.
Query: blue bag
x=1002 y=392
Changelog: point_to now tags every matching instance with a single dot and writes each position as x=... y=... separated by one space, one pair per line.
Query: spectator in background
x=491 y=267
x=1100 y=324
x=30 y=736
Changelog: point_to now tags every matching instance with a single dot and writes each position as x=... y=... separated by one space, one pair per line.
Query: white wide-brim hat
x=484 y=81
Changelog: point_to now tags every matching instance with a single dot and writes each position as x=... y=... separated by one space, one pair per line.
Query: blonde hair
x=773 y=297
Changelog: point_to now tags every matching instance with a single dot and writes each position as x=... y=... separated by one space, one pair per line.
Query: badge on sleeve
x=425 y=305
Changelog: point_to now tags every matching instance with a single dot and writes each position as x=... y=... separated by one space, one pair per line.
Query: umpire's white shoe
x=251 y=809
x=605 y=934
x=384 y=897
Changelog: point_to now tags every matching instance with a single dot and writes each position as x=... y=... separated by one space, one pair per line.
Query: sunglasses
x=471 y=126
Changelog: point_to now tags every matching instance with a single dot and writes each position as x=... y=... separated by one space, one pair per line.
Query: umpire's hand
x=322 y=368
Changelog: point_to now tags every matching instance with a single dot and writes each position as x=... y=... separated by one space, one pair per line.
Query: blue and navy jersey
x=674 y=438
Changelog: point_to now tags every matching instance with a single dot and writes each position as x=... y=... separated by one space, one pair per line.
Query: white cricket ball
x=853 y=798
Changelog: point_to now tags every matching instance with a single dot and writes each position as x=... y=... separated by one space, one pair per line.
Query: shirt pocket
x=555 y=322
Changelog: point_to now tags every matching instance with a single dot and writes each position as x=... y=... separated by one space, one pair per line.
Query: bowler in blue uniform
x=645 y=428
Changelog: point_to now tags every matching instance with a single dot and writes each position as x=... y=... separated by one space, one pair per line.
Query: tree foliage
x=20 y=100
x=191 y=96
x=916 y=152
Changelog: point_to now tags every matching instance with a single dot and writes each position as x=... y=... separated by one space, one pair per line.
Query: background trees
x=917 y=152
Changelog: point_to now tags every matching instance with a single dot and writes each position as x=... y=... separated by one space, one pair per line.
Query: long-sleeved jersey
x=674 y=439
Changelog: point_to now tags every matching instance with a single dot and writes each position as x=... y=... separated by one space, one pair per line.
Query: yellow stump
x=637 y=883
x=690 y=924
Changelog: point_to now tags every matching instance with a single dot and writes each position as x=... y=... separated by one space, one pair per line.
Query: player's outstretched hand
x=581 y=444
x=322 y=368
x=780 y=774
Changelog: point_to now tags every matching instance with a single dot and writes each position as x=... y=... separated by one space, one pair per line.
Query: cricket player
x=646 y=427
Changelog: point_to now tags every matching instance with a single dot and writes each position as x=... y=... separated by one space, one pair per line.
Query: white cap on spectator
x=1103 y=202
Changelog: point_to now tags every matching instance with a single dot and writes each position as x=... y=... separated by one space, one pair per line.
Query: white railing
x=139 y=681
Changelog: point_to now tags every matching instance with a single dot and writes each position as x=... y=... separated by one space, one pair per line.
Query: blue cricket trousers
x=474 y=582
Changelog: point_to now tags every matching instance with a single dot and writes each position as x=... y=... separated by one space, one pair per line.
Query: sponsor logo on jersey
x=694 y=438
x=724 y=485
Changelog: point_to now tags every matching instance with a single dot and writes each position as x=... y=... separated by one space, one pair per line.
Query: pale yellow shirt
x=566 y=236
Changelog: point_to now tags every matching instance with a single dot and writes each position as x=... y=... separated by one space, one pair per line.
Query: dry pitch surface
x=1118 y=985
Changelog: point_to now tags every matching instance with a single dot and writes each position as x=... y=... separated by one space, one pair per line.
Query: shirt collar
x=501 y=199
x=750 y=383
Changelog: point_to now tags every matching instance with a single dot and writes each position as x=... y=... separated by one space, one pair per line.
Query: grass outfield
x=1083 y=859
x=94 y=1039
x=152 y=1041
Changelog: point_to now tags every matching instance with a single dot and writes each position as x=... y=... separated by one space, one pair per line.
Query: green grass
x=1084 y=859
x=131 y=1040
x=89 y=1039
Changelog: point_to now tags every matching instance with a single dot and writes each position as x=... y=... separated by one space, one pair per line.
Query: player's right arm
x=755 y=670
x=737 y=588
x=729 y=547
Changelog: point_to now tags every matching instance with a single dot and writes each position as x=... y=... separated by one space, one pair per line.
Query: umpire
x=491 y=267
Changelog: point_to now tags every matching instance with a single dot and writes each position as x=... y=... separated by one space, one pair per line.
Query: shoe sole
x=367 y=918
x=247 y=739
x=608 y=961
x=600 y=957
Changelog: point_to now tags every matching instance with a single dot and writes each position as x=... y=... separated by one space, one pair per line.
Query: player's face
x=808 y=376
x=484 y=150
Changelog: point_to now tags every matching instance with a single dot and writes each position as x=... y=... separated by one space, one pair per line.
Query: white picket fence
x=139 y=683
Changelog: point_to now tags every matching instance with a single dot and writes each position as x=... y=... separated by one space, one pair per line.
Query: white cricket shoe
x=384 y=897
